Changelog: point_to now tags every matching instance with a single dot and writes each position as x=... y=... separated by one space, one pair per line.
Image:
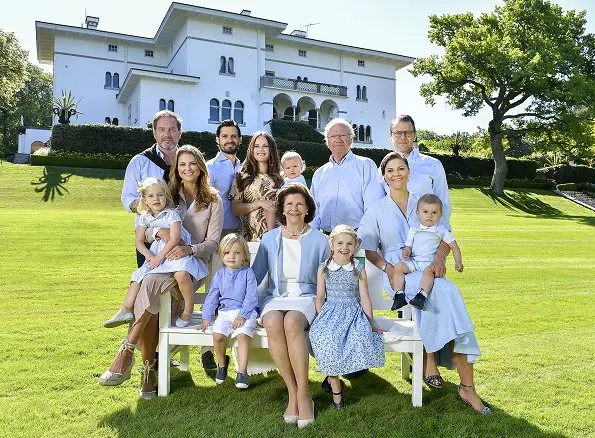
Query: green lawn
x=67 y=252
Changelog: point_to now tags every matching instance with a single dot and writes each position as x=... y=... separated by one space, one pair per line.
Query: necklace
x=295 y=234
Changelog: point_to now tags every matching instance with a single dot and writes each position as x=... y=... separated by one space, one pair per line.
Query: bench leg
x=184 y=358
x=164 y=366
x=417 y=376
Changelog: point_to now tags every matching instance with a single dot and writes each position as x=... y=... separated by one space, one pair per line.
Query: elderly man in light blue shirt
x=347 y=185
x=223 y=169
x=427 y=174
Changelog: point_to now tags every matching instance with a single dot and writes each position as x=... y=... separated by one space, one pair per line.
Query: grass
x=67 y=252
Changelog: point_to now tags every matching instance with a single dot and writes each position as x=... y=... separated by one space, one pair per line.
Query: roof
x=135 y=75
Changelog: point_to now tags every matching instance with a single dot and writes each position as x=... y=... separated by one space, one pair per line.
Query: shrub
x=566 y=173
x=297 y=131
x=74 y=161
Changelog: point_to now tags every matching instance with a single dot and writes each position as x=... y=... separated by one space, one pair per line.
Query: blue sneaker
x=222 y=372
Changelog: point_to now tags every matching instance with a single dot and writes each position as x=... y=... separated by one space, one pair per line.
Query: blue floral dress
x=341 y=336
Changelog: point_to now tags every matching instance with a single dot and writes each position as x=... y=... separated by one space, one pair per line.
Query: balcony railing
x=309 y=87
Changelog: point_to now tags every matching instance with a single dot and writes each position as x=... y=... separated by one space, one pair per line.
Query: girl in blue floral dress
x=344 y=336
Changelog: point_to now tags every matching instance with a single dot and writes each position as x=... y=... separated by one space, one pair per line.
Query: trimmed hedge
x=65 y=161
x=297 y=131
x=566 y=173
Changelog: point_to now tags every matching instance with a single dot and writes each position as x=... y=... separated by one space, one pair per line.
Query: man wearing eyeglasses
x=427 y=174
x=345 y=186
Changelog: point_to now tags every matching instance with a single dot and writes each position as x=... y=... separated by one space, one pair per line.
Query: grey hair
x=338 y=121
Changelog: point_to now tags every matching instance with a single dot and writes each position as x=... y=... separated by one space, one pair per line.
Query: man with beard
x=223 y=168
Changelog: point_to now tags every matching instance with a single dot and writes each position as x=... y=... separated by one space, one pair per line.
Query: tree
x=528 y=61
x=12 y=75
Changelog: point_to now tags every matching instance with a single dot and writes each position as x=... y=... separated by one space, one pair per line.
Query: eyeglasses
x=337 y=136
x=402 y=133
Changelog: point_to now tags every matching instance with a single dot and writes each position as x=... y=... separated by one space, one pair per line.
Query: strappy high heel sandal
x=341 y=404
x=114 y=379
x=486 y=409
x=145 y=370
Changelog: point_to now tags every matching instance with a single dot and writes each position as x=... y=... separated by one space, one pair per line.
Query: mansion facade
x=209 y=65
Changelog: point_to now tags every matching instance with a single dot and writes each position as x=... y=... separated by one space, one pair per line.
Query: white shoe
x=290 y=419
x=122 y=317
x=114 y=379
x=145 y=370
x=183 y=322
x=305 y=423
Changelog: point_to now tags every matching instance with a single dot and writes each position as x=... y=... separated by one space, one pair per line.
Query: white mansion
x=209 y=65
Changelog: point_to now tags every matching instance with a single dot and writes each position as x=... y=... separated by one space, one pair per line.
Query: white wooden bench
x=402 y=337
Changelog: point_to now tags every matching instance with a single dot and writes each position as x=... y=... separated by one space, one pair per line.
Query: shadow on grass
x=373 y=408
x=54 y=179
x=519 y=200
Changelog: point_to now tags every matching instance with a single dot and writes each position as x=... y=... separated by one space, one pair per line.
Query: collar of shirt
x=335 y=266
x=423 y=227
x=414 y=155
x=161 y=213
x=221 y=158
x=348 y=156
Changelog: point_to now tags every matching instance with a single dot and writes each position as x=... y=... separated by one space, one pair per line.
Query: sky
x=396 y=26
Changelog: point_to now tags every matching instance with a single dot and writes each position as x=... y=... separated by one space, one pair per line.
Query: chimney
x=246 y=12
x=91 y=22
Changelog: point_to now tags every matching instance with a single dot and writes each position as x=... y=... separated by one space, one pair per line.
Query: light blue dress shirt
x=231 y=290
x=222 y=173
x=344 y=191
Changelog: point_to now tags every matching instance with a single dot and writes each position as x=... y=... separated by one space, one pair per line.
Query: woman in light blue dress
x=445 y=325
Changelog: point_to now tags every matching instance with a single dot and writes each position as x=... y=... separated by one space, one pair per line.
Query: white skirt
x=303 y=304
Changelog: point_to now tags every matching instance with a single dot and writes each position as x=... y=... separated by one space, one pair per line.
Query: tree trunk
x=500 y=168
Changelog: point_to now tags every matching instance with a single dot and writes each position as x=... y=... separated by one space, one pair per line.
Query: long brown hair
x=205 y=192
x=249 y=168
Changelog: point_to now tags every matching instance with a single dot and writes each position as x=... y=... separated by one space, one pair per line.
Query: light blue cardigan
x=269 y=258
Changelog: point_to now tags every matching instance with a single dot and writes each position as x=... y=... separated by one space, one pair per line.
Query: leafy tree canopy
x=13 y=61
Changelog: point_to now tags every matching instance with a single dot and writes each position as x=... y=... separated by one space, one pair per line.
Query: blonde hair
x=229 y=240
x=291 y=155
x=142 y=206
x=205 y=194
x=343 y=229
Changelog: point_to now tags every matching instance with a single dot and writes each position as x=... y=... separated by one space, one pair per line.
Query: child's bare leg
x=187 y=290
x=220 y=344
x=427 y=280
x=130 y=298
x=398 y=283
x=336 y=386
x=271 y=219
x=243 y=349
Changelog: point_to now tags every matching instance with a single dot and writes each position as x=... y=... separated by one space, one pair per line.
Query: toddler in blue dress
x=344 y=337
x=420 y=248
x=233 y=293
x=293 y=166
x=155 y=208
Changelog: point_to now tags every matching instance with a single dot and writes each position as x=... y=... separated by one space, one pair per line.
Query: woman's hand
x=267 y=205
x=155 y=261
x=438 y=265
x=238 y=322
x=378 y=330
x=390 y=270
x=163 y=234
x=178 y=252
x=406 y=252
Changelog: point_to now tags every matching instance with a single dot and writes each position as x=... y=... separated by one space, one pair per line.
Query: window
x=148 y=53
x=354 y=126
x=361 y=133
x=269 y=47
x=368 y=137
x=305 y=78
x=227 y=30
x=170 y=105
x=112 y=48
x=129 y=114
x=238 y=112
x=214 y=110
x=358 y=93
x=108 y=121
x=226 y=109
x=230 y=69
x=299 y=78
x=108 y=80
x=364 y=93
x=302 y=53
x=116 y=80
x=269 y=73
x=115 y=121
x=275 y=113
x=361 y=63
x=161 y=104
x=223 y=65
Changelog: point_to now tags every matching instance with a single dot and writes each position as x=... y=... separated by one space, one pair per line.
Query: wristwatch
x=383 y=267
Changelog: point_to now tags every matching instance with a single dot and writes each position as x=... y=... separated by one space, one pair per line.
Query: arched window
x=223 y=65
x=108 y=79
x=305 y=79
x=354 y=130
x=108 y=121
x=230 y=68
x=116 y=80
x=238 y=112
x=364 y=93
x=299 y=78
x=361 y=133
x=368 y=134
x=275 y=113
x=170 y=105
x=161 y=104
x=358 y=93
x=313 y=118
x=214 y=110
x=115 y=121
x=226 y=109
x=288 y=113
